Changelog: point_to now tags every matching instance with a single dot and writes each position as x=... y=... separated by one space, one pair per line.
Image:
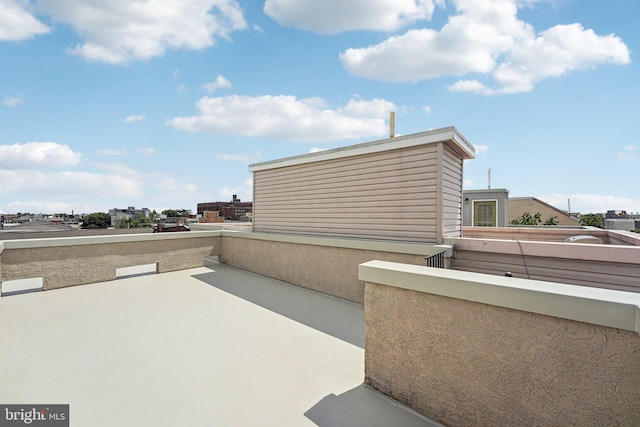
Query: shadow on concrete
x=20 y=292
x=363 y=406
x=337 y=317
x=136 y=271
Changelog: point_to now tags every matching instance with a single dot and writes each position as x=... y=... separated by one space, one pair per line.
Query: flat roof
x=207 y=346
x=449 y=135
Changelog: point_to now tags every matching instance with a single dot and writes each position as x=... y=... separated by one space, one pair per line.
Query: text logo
x=34 y=415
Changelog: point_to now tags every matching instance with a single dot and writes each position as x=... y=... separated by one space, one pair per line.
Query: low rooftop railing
x=328 y=265
x=70 y=261
x=597 y=265
x=473 y=349
x=552 y=234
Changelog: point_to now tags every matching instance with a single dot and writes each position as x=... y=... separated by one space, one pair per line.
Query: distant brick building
x=233 y=210
x=210 y=217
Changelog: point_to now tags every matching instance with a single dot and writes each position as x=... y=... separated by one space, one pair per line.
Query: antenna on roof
x=392 y=124
x=489 y=177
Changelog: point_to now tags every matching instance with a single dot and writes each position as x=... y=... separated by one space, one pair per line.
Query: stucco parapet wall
x=71 y=261
x=361 y=244
x=580 y=251
x=449 y=135
x=605 y=307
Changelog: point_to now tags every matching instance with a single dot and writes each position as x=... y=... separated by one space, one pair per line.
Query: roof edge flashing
x=449 y=135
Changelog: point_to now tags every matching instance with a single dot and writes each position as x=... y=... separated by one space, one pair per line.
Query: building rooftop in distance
x=206 y=346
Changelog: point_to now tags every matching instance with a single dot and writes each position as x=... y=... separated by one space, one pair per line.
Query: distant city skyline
x=111 y=103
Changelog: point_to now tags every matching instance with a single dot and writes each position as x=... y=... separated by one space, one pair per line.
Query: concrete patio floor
x=212 y=346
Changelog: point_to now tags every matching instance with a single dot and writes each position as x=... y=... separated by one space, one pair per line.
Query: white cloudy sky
x=165 y=104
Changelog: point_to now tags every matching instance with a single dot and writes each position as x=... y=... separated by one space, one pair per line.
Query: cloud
x=244 y=191
x=111 y=185
x=335 y=16
x=555 y=52
x=627 y=154
x=17 y=22
x=485 y=38
x=39 y=206
x=37 y=154
x=288 y=118
x=146 y=151
x=166 y=192
x=169 y=182
x=181 y=88
x=592 y=203
x=134 y=118
x=11 y=101
x=122 y=31
x=471 y=86
x=481 y=149
x=68 y=185
x=469 y=42
x=219 y=83
x=426 y=109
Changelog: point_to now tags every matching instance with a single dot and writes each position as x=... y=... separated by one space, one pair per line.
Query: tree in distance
x=96 y=220
x=592 y=220
x=528 y=219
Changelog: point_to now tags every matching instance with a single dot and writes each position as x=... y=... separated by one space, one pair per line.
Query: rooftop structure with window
x=341 y=325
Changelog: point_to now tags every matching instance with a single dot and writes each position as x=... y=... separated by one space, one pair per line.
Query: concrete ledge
x=605 y=307
x=100 y=240
x=361 y=244
x=569 y=251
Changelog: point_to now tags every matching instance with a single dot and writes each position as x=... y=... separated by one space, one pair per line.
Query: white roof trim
x=448 y=135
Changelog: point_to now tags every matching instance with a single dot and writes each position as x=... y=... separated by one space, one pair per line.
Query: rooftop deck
x=205 y=346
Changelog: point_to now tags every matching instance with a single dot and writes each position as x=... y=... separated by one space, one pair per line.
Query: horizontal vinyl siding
x=387 y=195
x=619 y=276
x=451 y=194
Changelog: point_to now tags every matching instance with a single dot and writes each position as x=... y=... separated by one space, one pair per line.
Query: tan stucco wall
x=326 y=269
x=465 y=363
x=74 y=263
x=323 y=264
